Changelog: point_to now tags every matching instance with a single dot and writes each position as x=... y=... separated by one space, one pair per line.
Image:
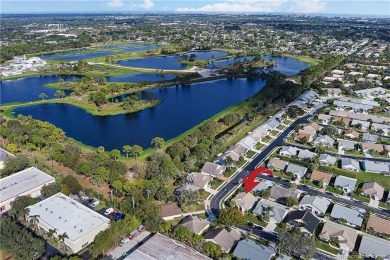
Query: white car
x=94 y=203
x=108 y=211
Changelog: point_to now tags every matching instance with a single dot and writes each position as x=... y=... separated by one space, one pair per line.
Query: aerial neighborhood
x=187 y=136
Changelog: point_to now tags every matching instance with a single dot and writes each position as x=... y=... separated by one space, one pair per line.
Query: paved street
x=215 y=201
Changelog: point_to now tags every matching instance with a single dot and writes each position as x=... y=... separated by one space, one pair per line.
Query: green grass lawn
x=214 y=184
x=202 y=216
x=282 y=175
x=195 y=207
x=360 y=197
x=250 y=154
x=266 y=139
x=382 y=180
x=252 y=218
x=286 y=121
x=355 y=152
x=384 y=205
x=326 y=247
x=274 y=132
x=331 y=189
x=310 y=184
x=229 y=172
x=281 y=127
x=259 y=146
x=241 y=163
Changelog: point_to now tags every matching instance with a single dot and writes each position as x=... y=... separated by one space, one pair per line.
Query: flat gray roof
x=67 y=216
x=162 y=247
x=20 y=182
x=4 y=155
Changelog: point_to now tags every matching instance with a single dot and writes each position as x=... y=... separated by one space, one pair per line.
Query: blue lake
x=227 y=62
x=170 y=62
x=182 y=108
x=286 y=65
x=140 y=77
x=74 y=55
x=28 y=89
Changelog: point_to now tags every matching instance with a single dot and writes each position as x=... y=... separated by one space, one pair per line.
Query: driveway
x=118 y=252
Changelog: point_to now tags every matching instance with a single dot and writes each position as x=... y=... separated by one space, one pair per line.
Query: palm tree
x=34 y=220
x=43 y=96
x=23 y=213
x=158 y=142
x=62 y=238
x=126 y=150
x=51 y=232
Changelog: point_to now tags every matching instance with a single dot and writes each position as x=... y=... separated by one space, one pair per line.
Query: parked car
x=94 y=203
x=141 y=228
x=108 y=211
x=124 y=241
x=111 y=215
x=133 y=234
x=118 y=216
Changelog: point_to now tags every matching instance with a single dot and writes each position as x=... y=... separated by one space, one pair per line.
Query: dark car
x=118 y=216
x=111 y=215
x=141 y=228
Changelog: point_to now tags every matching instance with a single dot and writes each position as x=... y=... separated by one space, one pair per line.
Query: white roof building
x=66 y=215
x=28 y=182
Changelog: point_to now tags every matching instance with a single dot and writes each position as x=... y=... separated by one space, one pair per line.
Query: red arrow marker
x=250 y=181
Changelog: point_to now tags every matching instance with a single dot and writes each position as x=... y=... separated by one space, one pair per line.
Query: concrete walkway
x=270 y=227
x=210 y=190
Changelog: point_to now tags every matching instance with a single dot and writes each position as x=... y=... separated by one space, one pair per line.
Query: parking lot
x=119 y=252
x=86 y=201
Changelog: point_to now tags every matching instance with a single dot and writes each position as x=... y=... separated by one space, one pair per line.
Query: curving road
x=218 y=198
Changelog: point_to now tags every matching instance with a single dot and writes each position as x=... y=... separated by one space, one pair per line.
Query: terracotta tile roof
x=380 y=225
x=376 y=147
x=170 y=209
x=318 y=176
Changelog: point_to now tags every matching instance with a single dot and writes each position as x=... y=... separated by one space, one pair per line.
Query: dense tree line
x=18 y=241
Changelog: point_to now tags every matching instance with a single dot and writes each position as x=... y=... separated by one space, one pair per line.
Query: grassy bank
x=306 y=59
x=108 y=109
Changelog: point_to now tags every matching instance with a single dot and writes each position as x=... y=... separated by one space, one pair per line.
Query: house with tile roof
x=280 y=193
x=373 y=190
x=350 y=164
x=378 y=224
x=275 y=211
x=296 y=170
x=346 y=184
x=302 y=219
x=376 y=167
x=315 y=204
x=327 y=160
x=249 y=250
x=276 y=164
x=372 y=247
x=212 y=169
x=244 y=201
x=318 y=176
x=195 y=224
x=220 y=236
x=346 y=237
x=352 y=217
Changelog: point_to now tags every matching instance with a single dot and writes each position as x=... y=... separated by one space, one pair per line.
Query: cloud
x=147 y=4
x=307 y=6
x=115 y=3
x=237 y=6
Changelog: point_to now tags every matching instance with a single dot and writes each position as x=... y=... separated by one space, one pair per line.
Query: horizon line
x=197 y=13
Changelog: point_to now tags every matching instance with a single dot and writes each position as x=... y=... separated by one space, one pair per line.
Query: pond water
x=170 y=62
x=182 y=108
x=28 y=89
x=286 y=65
x=74 y=55
x=140 y=77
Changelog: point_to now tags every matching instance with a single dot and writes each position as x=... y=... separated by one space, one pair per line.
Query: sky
x=344 y=7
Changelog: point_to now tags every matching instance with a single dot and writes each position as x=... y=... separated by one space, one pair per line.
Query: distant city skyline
x=330 y=7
